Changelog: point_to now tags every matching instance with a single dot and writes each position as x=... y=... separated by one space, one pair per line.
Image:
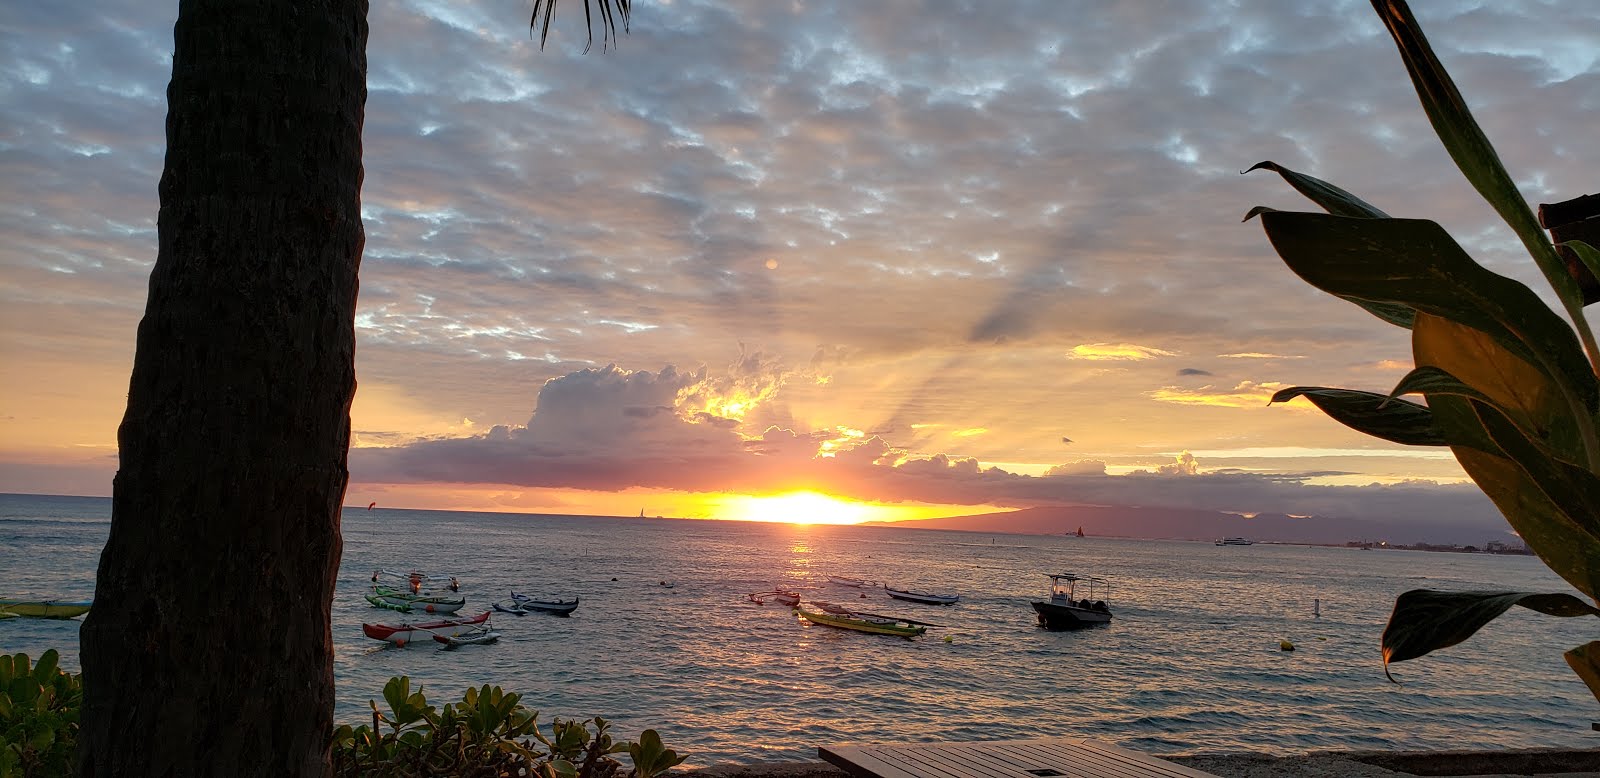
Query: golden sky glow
x=809 y=508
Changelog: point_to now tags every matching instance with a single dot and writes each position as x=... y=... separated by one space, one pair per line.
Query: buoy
x=1284 y=645
x=949 y=639
x=1316 y=608
x=1321 y=638
x=400 y=644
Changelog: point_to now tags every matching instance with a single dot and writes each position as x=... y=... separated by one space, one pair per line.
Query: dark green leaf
x=1468 y=146
x=1397 y=421
x=1425 y=620
x=1332 y=199
x=1433 y=380
x=1414 y=262
x=1585 y=661
x=1573 y=489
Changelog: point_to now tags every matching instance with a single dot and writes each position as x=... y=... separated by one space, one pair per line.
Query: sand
x=1550 y=763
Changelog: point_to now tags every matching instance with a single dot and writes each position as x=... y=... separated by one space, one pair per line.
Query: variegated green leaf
x=1414 y=262
x=1571 y=488
x=1332 y=199
x=1585 y=661
x=1426 y=620
x=1397 y=421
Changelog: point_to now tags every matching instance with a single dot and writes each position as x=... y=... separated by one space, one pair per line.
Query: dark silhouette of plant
x=1510 y=387
x=489 y=733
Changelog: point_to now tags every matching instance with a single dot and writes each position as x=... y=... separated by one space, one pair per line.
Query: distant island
x=1158 y=523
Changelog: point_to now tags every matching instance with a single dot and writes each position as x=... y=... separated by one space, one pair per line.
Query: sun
x=800 y=508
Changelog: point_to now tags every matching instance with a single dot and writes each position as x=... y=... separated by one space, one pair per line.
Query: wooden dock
x=1061 y=757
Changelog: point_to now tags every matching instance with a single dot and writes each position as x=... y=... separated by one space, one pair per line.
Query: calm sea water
x=1191 y=662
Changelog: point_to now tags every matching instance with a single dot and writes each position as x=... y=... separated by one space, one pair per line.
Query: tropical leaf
x=1432 y=380
x=1414 y=262
x=1560 y=544
x=1332 y=199
x=1574 y=490
x=1378 y=415
x=1585 y=661
x=1469 y=147
x=1587 y=254
x=610 y=12
x=1426 y=620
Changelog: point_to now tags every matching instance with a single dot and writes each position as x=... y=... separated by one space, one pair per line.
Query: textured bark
x=209 y=651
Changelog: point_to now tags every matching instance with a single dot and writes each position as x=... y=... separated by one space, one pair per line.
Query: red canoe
x=401 y=634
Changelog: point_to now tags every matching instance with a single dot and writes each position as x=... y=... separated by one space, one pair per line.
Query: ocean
x=1190 y=664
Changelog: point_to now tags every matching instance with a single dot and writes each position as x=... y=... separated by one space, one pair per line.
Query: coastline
x=1508 y=763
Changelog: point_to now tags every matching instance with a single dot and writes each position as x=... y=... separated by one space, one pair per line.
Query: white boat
x=1065 y=612
x=1234 y=542
x=922 y=597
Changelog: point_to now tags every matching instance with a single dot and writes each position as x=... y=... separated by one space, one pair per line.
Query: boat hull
x=401 y=634
x=555 y=607
x=874 y=626
x=46 y=609
x=923 y=597
x=406 y=602
x=1058 y=617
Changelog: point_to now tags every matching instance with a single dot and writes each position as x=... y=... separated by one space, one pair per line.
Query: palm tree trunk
x=208 y=651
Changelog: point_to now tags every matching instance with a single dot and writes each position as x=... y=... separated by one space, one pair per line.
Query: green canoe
x=46 y=609
x=861 y=623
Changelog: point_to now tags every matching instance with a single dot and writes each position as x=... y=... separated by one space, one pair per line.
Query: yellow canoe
x=46 y=609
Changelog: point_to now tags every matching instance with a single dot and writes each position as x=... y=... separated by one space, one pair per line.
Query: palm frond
x=610 y=12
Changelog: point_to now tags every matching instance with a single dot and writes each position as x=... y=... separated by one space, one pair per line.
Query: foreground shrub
x=39 y=707
x=488 y=733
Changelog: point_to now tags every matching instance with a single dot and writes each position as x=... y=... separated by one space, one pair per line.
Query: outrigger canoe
x=522 y=605
x=405 y=602
x=922 y=597
x=401 y=634
x=778 y=596
x=46 y=609
x=879 y=625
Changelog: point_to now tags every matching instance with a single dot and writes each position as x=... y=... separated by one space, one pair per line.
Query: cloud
x=611 y=429
x=1245 y=394
x=1117 y=351
x=1191 y=371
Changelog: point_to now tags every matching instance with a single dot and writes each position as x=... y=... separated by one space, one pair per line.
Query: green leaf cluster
x=488 y=733
x=39 y=706
x=1508 y=384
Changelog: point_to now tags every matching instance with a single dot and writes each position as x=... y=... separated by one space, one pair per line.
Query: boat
x=778 y=596
x=405 y=632
x=46 y=609
x=555 y=605
x=1235 y=542
x=1080 y=532
x=857 y=583
x=1065 y=611
x=922 y=597
x=477 y=637
x=406 y=602
x=415 y=580
x=861 y=622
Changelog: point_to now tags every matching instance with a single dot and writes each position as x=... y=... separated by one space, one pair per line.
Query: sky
x=825 y=261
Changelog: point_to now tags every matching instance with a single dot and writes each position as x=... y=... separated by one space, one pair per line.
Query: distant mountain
x=1192 y=524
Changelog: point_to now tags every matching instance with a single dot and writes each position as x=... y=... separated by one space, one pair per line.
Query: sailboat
x=1080 y=530
x=1077 y=534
